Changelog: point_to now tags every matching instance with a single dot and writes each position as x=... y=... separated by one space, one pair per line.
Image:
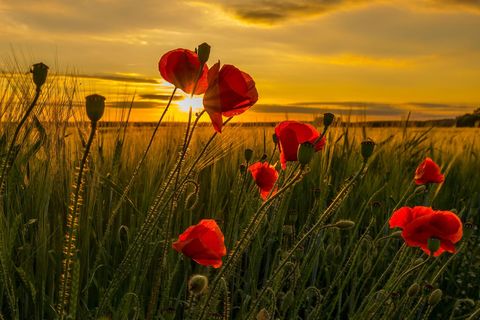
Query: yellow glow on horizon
x=195 y=102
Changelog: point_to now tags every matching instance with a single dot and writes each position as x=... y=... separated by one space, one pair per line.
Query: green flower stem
x=247 y=235
x=71 y=235
x=315 y=228
x=129 y=185
x=10 y=157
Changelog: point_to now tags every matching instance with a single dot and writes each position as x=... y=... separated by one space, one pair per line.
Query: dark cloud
x=119 y=78
x=136 y=104
x=420 y=109
x=274 y=12
x=159 y=97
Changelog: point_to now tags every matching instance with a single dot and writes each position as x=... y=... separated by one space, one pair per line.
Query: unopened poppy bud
x=203 y=52
x=328 y=119
x=433 y=245
x=263 y=315
x=248 y=155
x=305 y=153
x=396 y=234
x=198 y=284
x=435 y=297
x=345 y=224
x=420 y=189
x=95 y=107
x=39 y=72
x=337 y=251
x=468 y=229
x=413 y=290
x=367 y=148
x=275 y=138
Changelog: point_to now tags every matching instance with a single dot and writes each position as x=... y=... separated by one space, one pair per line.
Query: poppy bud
x=198 y=284
x=337 y=251
x=305 y=153
x=275 y=138
x=420 y=189
x=328 y=119
x=248 y=155
x=264 y=157
x=39 y=71
x=203 y=52
x=396 y=234
x=243 y=168
x=469 y=227
x=435 y=297
x=263 y=315
x=367 y=148
x=95 y=107
x=413 y=290
x=433 y=245
x=345 y=224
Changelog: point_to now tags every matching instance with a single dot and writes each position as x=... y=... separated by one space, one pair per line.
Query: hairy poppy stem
x=248 y=234
x=315 y=228
x=71 y=235
x=129 y=185
x=10 y=156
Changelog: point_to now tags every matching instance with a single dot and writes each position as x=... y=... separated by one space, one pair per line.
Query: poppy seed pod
x=203 y=52
x=433 y=245
x=435 y=297
x=248 y=154
x=305 y=153
x=345 y=224
x=367 y=148
x=95 y=104
x=39 y=72
x=328 y=119
x=198 y=284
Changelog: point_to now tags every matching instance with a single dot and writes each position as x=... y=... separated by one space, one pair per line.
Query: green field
x=286 y=257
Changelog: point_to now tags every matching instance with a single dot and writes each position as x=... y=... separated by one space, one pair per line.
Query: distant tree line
x=469 y=119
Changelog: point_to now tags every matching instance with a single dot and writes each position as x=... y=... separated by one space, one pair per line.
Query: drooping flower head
x=264 y=176
x=428 y=172
x=419 y=224
x=230 y=92
x=181 y=68
x=203 y=243
x=291 y=134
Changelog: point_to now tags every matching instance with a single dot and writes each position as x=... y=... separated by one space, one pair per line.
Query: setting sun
x=195 y=102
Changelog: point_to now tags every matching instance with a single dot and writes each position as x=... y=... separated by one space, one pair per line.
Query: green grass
x=332 y=274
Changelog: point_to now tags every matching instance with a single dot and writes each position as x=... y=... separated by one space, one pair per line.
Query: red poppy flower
x=203 y=243
x=291 y=134
x=422 y=223
x=230 y=92
x=180 y=67
x=428 y=172
x=265 y=177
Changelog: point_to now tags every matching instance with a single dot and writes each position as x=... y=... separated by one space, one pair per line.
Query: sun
x=195 y=102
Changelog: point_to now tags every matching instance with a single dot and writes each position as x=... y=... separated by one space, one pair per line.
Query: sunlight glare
x=195 y=102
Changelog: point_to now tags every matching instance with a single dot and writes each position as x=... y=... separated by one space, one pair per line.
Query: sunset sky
x=375 y=58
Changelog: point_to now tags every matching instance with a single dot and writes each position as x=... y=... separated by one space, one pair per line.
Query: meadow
x=320 y=247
